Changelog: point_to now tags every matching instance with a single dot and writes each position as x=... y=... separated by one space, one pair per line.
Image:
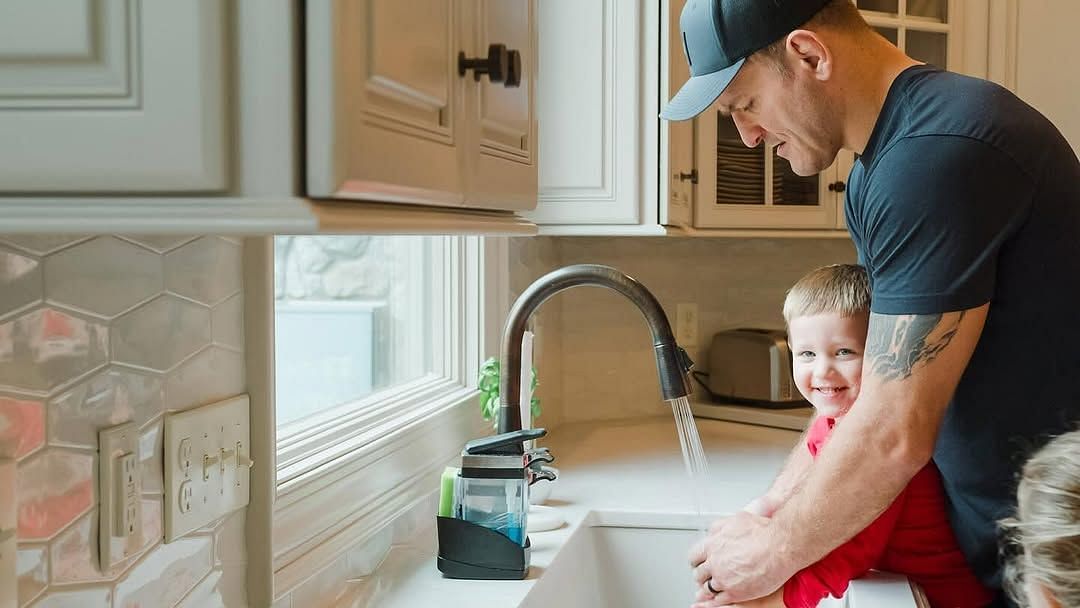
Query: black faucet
x=672 y=362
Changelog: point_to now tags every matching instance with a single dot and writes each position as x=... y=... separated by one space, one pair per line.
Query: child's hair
x=839 y=288
x=1045 y=534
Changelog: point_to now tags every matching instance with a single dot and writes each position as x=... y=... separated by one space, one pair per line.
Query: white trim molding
x=245 y=216
x=345 y=473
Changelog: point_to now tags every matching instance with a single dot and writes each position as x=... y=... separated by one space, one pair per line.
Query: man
x=964 y=206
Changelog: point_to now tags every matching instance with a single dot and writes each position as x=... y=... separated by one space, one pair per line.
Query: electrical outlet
x=120 y=512
x=686 y=324
x=207 y=462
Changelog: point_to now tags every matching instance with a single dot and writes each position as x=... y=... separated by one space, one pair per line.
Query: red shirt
x=912 y=537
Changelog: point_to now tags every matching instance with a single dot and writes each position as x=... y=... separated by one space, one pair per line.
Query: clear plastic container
x=498 y=504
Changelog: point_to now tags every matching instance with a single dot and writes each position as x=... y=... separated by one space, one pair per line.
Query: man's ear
x=810 y=53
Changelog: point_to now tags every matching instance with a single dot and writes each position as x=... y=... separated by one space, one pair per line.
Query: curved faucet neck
x=672 y=362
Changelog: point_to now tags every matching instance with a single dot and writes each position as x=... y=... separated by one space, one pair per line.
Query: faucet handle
x=534 y=459
x=684 y=359
x=541 y=474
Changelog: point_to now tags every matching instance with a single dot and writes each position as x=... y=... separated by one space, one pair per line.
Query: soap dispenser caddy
x=469 y=550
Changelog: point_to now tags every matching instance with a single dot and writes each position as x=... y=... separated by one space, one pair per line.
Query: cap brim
x=699 y=93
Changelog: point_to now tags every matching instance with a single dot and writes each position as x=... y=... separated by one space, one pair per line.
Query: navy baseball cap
x=718 y=36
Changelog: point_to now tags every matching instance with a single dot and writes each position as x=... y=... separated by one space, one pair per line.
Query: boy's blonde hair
x=839 y=288
x=1045 y=534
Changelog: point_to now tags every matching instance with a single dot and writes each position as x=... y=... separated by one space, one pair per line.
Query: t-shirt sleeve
x=937 y=211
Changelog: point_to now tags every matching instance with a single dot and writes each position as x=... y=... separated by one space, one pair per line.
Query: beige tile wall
x=95 y=331
x=603 y=354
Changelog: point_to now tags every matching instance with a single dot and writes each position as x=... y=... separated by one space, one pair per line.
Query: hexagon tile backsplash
x=95 y=331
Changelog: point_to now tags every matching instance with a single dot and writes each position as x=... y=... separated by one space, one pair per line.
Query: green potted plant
x=488 y=385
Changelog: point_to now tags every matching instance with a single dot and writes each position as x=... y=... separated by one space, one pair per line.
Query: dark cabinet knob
x=501 y=65
x=513 y=70
x=837 y=187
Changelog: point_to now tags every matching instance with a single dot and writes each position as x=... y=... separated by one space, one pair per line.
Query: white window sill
x=321 y=514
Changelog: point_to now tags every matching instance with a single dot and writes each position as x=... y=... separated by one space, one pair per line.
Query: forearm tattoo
x=897 y=343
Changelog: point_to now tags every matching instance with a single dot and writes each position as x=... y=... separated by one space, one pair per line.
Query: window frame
x=344 y=473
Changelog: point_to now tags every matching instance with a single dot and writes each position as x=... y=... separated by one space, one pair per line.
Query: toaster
x=752 y=365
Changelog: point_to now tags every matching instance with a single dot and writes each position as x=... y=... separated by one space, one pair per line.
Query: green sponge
x=446 y=491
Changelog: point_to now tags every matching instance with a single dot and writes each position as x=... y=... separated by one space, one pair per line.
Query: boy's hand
x=775 y=599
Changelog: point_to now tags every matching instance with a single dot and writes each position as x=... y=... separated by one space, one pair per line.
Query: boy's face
x=827 y=356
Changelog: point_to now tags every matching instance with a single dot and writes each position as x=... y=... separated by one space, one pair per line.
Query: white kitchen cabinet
x=112 y=96
x=392 y=117
x=590 y=107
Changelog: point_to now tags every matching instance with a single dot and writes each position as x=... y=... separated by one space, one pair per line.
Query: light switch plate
x=8 y=588
x=120 y=486
x=207 y=460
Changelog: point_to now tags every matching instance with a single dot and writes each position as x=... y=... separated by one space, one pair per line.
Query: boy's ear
x=1039 y=589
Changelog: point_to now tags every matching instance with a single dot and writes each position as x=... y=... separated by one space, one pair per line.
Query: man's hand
x=741 y=559
x=705 y=599
x=762 y=505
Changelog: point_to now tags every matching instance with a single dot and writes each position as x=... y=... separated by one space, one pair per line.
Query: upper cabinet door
x=382 y=119
x=589 y=111
x=112 y=96
x=502 y=110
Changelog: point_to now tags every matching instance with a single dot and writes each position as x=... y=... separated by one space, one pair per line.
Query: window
x=377 y=344
x=352 y=317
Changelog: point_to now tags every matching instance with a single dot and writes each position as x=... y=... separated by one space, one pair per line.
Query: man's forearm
x=853 y=481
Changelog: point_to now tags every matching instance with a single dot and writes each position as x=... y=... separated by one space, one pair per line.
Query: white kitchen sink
x=638 y=560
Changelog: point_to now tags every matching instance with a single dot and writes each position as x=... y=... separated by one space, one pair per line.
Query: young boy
x=827 y=313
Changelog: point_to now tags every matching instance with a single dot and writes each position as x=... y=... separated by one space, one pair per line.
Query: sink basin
x=638 y=560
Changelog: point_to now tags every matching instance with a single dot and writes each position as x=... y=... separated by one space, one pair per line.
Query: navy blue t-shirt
x=966 y=195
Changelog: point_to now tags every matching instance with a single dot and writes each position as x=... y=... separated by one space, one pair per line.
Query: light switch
x=207 y=464
x=120 y=523
x=8 y=588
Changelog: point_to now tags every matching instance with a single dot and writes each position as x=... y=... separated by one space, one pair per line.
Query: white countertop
x=621 y=465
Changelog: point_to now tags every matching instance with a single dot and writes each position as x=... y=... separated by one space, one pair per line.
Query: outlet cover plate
x=119 y=491
x=686 y=324
x=206 y=461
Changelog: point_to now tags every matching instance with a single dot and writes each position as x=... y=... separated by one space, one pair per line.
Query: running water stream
x=697 y=467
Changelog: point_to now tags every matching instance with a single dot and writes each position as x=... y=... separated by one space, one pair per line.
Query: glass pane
x=350 y=317
x=789 y=188
x=889 y=33
x=881 y=6
x=740 y=171
x=930 y=47
x=937 y=10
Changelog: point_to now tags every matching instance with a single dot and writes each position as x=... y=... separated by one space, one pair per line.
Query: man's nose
x=749 y=131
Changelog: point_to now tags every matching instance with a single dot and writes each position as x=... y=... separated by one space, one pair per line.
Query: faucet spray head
x=673 y=366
